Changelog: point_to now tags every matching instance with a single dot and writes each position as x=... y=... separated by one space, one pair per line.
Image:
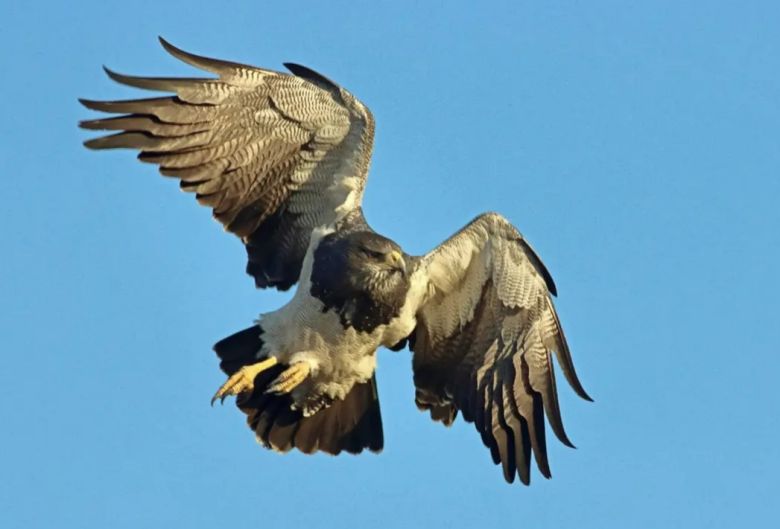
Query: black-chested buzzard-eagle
x=282 y=160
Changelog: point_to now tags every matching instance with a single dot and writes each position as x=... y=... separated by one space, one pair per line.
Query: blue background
x=634 y=143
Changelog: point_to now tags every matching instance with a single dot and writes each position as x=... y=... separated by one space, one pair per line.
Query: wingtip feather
x=563 y=355
x=90 y=144
x=312 y=76
x=91 y=104
x=176 y=51
x=208 y=64
x=116 y=76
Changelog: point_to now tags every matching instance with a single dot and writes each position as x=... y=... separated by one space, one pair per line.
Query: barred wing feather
x=483 y=345
x=274 y=155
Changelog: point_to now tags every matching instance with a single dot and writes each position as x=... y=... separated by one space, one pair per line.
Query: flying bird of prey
x=282 y=160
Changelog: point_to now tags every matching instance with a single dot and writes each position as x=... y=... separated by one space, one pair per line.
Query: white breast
x=301 y=332
x=338 y=357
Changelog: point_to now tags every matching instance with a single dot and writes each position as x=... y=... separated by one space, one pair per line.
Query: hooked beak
x=396 y=259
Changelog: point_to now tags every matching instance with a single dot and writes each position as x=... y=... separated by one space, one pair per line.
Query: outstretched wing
x=484 y=340
x=274 y=155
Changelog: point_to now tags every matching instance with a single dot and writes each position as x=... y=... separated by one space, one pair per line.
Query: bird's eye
x=372 y=254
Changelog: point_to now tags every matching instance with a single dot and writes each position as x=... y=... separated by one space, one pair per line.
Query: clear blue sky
x=634 y=143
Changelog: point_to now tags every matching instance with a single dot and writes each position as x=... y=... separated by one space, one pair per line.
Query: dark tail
x=351 y=424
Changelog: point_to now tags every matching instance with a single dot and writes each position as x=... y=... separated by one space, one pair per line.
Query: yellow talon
x=242 y=380
x=290 y=378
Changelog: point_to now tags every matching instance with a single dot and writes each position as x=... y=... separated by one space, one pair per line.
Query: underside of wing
x=484 y=343
x=274 y=155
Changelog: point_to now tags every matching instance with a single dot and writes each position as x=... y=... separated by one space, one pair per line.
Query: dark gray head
x=362 y=275
x=370 y=255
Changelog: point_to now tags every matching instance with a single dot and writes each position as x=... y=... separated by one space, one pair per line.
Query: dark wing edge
x=274 y=155
x=486 y=333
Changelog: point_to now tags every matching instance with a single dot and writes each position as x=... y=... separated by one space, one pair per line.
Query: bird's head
x=376 y=259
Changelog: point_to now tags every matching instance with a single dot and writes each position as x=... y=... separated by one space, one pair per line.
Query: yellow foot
x=290 y=378
x=242 y=380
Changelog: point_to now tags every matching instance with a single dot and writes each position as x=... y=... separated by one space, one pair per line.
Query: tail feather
x=352 y=424
x=239 y=349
